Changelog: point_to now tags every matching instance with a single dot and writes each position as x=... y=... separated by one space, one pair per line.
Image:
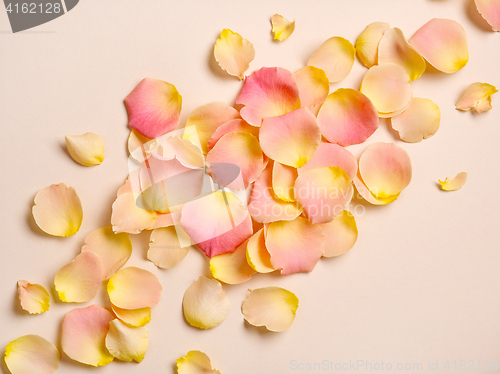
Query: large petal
x=313 y=87
x=165 y=249
x=335 y=56
x=455 y=183
x=324 y=192
x=233 y=53
x=490 y=10
x=341 y=234
x=87 y=149
x=443 y=43
x=272 y=307
x=232 y=268
x=127 y=343
x=368 y=41
x=284 y=181
x=257 y=255
x=34 y=298
x=476 y=96
x=394 y=48
x=58 y=210
x=31 y=354
x=218 y=223
x=205 y=303
x=133 y=317
x=290 y=139
x=347 y=117
x=295 y=246
x=195 y=362
x=268 y=92
x=235 y=125
x=282 y=28
x=419 y=121
x=183 y=150
x=154 y=107
x=366 y=194
x=134 y=288
x=114 y=250
x=79 y=281
x=83 y=335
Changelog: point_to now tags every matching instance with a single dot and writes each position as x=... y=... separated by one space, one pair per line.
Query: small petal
x=336 y=57
x=34 y=298
x=32 y=354
x=195 y=362
x=165 y=250
x=235 y=125
x=282 y=28
x=295 y=246
x=347 y=117
x=284 y=182
x=127 y=343
x=394 y=48
x=232 y=268
x=233 y=53
x=454 y=183
x=419 y=121
x=183 y=150
x=133 y=317
x=58 y=210
x=83 y=335
x=139 y=146
x=134 y=288
x=341 y=234
x=313 y=87
x=205 y=303
x=366 y=194
x=443 y=43
x=368 y=41
x=490 y=10
x=79 y=281
x=87 y=149
x=268 y=92
x=290 y=139
x=257 y=255
x=113 y=250
x=388 y=88
x=272 y=307
x=476 y=96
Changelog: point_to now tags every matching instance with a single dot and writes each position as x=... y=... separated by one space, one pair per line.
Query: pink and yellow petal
x=232 y=268
x=490 y=10
x=195 y=362
x=313 y=87
x=366 y=194
x=257 y=255
x=233 y=53
x=31 y=354
x=419 y=121
x=128 y=217
x=235 y=125
x=368 y=42
x=282 y=28
x=284 y=181
x=455 y=183
x=133 y=317
x=165 y=250
x=335 y=57
x=127 y=343
x=34 y=298
x=476 y=97
x=341 y=234
x=86 y=149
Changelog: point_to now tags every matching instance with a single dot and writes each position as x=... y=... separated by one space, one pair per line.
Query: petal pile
x=235 y=125
x=282 y=28
x=490 y=10
x=419 y=121
x=477 y=97
x=32 y=354
x=87 y=149
x=368 y=42
x=336 y=57
x=328 y=155
x=455 y=183
x=195 y=362
x=233 y=53
x=34 y=298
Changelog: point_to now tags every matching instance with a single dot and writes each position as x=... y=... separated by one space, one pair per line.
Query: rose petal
x=133 y=317
x=385 y=169
x=257 y=255
x=34 y=298
x=195 y=362
x=205 y=303
x=454 y=183
x=79 y=281
x=388 y=88
x=282 y=28
x=183 y=150
x=290 y=139
x=329 y=154
x=365 y=193
x=490 y=10
x=134 y=288
x=295 y=246
x=87 y=149
x=368 y=41
x=31 y=354
x=217 y=223
x=139 y=146
x=272 y=307
x=83 y=335
x=476 y=96
x=347 y=117
x=313 y=87
x=394 y=48
x=235 y=125
x=58 y=210
x=336 y=57
x=419 y=121
x=284 y=182
x=232 y=268
x=113 y=250
x=341 y=234
x=127 y=343
x=268 y=92
x=233 y=53
x=443 y=43
x=165 y=249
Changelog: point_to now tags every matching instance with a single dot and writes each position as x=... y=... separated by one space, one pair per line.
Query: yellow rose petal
x=195 y=362
x=34 y=298
x=87 y=149
x=454 y=183
x=31 y=354
x=127 y=343
x=282 y=28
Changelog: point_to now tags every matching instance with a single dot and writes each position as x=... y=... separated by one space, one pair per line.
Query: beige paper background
x=421 y=285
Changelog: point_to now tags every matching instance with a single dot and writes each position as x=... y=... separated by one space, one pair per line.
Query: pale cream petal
x=34 y=298
x=232 y=268
x=257 y=255
x=139 y=146
x=233 y=53
x=368 y=41
x=341 y=234
x=282 y=28
x=284 y=181
x=477 y=96
x=133 y=317
x=183 y=150
x=419 y=121
x=336 y=57
x=86 y=149
x=454 y=183
x=31 y=354
x=165 y=250
x=195 y=362
x=127 y=343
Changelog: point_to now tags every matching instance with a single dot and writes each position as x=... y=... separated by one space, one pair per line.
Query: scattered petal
x=272 y=307
x=32 y=354
x=368 y=41
x=154 y=107
x=257 y=255
x=419 y=121
x=477 y=96
x=329 y=154
x=127 y=343
x=282 y=28
x=87 y=149
x=443 y=43
x=58 y=210
x=232 y=268
x=233 y=53
x=139 y=146
x=235 y=125
x=195 y=362
x=134 y=288
x=268 y=92
x=347 y=117
x=34 y=298
x=313 y=87
x=83 y=335
x=79 y=281
x=133 y=317
x=183 y=150
x=454 y=183
x=295 y=246
x=490 y=10
x=336 y=57
x=205 y=303
x=284 y=182
x=165 y=249
x=341 y=234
